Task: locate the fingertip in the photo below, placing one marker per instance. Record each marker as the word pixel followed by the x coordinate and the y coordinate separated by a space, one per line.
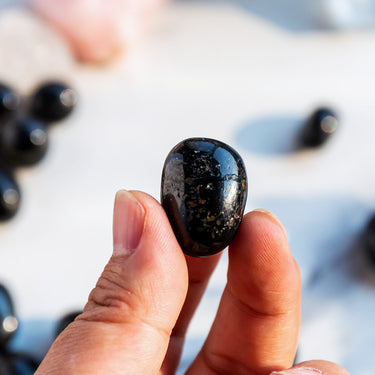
pixel 271 216
pixel 147 259
pixel 316 367
pixel 261 264
pixel 262 224
pixel 157 227
pixel 261 237
pixel 128 223
pixel 260 306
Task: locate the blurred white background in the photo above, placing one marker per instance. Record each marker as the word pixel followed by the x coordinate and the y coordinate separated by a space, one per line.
pixel 246 72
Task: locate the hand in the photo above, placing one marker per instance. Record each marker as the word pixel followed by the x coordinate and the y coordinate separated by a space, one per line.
pixel 138 313
pixel 98 30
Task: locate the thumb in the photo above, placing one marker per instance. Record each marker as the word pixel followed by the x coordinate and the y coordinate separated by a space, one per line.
pixel 314 368
pixel 126 324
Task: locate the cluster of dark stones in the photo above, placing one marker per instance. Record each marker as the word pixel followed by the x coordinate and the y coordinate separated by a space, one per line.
pixel 24 124
pixel 15 362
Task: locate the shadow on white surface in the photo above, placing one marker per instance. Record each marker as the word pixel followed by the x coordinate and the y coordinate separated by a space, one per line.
pixel 325 234
pixel 322 229
pixel 273 135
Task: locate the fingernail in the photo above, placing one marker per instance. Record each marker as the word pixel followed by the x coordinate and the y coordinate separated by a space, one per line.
pixel 271 216
pixel 298 371
pixel 128 219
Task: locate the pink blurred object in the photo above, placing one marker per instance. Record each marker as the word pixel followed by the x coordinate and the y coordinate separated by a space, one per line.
pixel 98 30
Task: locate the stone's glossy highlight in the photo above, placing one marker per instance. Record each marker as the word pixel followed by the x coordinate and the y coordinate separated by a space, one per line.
pixel 23 141
pixel 9 102
pixel 10 195
pixel 319 127
pixel 203 192
pixel 53 101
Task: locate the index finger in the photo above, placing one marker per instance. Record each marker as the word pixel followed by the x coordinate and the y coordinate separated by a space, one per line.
pixel 256 327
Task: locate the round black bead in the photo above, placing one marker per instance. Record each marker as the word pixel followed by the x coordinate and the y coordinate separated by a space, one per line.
pixel 319 127
pixel 203 192
pixel 8 321
pixel 23 141
pixel 65 321
pixel 53 101
pixel 10 195
pixel 9 102
pixel 369 239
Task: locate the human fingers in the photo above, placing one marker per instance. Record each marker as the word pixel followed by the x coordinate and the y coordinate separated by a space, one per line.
pixel 200 270
pixel 256 327
pixel 314 368
pixel 126 324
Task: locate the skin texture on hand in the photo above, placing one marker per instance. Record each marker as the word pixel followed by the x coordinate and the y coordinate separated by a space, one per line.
pixel 314 368
pixel 137 315
pixel 98 30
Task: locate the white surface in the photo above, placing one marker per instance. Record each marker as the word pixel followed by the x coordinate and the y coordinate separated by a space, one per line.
pixel 217 70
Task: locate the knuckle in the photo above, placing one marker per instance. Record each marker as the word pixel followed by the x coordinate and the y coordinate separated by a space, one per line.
pixel 112 299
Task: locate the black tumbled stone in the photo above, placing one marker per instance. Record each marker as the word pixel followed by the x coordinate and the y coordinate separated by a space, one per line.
pixel 320 126
pixel 8 321
pixel 23 141
pixel 53 101
pixel 10 195
pixel 9 102
pixel 203 192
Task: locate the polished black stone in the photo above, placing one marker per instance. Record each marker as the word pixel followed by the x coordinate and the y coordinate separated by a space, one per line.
pixel 369 239
pixel 8 321
pixel 319 127
pixel 10 195
pixel 203 192
pixel 65 321
pixel 53 101
pixel 9 102
pixel 23 141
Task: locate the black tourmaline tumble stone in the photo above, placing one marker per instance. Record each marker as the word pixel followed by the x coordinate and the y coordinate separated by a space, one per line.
pixel 8 321
pixel 53 101
pixel 203 192
pixel 9 197
pixel 9 102
pixel 23 141
pixel 319 127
